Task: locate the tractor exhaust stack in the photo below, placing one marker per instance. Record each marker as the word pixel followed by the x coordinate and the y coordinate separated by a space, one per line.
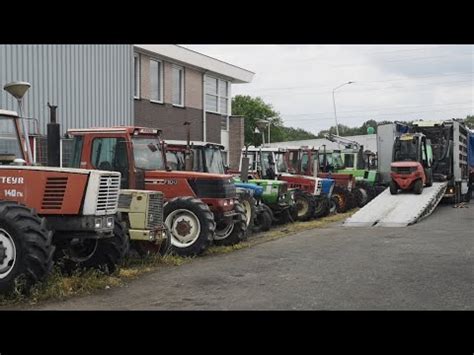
pixel 53 138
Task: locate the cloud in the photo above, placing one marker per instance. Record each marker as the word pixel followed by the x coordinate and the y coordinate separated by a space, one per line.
pixel 391 82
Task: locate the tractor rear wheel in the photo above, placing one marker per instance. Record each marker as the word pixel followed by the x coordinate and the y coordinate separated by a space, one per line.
pixel 418 187
pixel 263 221
pixel 342 199
pixel 191 224
pixel 237 231
pixel 305 204
pixel 26 250
pixel 393 188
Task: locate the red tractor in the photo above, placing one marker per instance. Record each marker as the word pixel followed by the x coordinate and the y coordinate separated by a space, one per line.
pixel 411 163
pixel 51 212
pixel 305 161
pixel 200 208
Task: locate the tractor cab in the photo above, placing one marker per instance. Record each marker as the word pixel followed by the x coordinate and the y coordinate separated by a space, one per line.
pixel 411 163
pixel 12 143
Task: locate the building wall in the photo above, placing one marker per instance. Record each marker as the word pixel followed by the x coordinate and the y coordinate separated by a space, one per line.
pixel 236 140
pixel 171 118
pixel 90 84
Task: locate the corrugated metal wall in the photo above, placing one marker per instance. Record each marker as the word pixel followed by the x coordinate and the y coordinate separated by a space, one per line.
pixel 92 85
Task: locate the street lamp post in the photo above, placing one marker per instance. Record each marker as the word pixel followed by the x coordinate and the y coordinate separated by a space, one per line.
pixel 334 103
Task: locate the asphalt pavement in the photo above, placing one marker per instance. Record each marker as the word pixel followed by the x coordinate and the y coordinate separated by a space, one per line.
pixel 427 266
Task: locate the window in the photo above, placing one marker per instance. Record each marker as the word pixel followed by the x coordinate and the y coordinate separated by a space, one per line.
pixel 156 81
pixel 9 142
pixel 111 154
pixel 178 86
pixel 136 68
pixel 217 95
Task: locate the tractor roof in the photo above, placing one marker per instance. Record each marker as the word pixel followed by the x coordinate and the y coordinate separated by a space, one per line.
pixel 193 143
pixel 252 148
pixel 132 130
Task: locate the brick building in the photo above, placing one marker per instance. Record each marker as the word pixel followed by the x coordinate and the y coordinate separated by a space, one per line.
pixel 173 85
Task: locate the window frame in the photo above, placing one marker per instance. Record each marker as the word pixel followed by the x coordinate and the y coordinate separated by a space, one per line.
pixel 160 79
pixel 218 96
pixel 181 85
pixel 136 76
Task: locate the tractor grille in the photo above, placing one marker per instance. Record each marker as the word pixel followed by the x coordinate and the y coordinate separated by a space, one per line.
pixel 54 191
pixel 155 211
pixel 108 195
pixel 125 201
pixel 402 170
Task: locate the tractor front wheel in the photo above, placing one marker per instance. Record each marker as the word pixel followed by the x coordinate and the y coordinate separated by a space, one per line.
pixel 342 199
pixel 305 204
pixel 418 187
pixel 26 250
pixel 191 224
pixel 248 203
pixel 393 188
pixel 145 248
pixel 263 221
pixel 233 231
pixel 322 207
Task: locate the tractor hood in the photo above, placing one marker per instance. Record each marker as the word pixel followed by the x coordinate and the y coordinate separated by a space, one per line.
pixel 187 175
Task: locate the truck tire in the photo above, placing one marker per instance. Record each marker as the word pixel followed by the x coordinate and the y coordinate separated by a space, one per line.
pixel 393 188
pixel 342 199
pixel 249 204
pixel 418 187
pixel 26 250
pixel 305 204
pixel 322 207
pixel 235 232
pixel 191 224
pixel 263 221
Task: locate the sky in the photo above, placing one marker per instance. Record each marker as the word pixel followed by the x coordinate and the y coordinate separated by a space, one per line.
pixel 391 82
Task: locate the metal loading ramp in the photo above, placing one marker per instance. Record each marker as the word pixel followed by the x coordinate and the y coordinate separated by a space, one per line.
pixel 400 210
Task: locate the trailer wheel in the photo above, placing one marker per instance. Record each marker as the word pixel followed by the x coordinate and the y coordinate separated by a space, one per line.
pixel 237 231
pixel 191 224
pixel 26 250
pixel 418 187
pixel 305 204
pixel 263 221
pixel 104 254
pixel 393 188
pixel 342 199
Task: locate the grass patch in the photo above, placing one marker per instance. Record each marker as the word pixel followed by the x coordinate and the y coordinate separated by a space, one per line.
pixel 59 286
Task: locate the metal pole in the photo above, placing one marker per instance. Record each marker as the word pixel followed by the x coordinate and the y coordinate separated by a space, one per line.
pixel 269 124
pixel 25 134
pixel 335 115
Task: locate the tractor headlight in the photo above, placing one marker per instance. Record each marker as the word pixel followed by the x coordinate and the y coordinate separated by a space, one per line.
pixel 110 222
pixel 98 223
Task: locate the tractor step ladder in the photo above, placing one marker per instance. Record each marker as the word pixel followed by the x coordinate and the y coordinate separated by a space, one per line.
pixel 399 210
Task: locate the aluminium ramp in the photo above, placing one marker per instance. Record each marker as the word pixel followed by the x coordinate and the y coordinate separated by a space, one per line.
pixel 399 210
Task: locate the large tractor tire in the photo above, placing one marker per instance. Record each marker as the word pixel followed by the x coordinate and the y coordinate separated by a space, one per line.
pixel 191 224
pixel 26 250
pixel 342 199
pixel 104 254
pixel 305 204
pixel 263 221
pixel 418 187
pixel 322 207
pixel 333 205
pixel 145 248
pixel 233 231
pixel 361 196
pixel 249 204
